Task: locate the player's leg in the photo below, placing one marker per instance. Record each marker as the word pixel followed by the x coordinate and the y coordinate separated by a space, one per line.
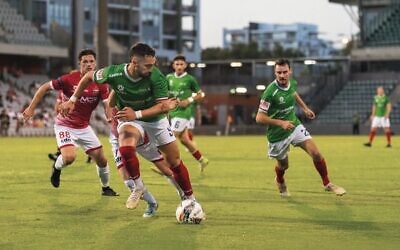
pixel 185 140
pixel 374 125
pixel 388 133
pixel 181 174
pixel 280 168
pixel 66 144
pixel 152 204
pixel 310 147
pixel 130 134
pixel 179 126
pixel 53 156
pixel 89 142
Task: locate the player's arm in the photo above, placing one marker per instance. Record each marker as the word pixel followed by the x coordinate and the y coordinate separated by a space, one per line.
pixel 263 118
pixel 68 106
pixel 162 106
pixel 28 112
pixel 196 97
pixel 373 110
pixel 388 109
pixel 307 111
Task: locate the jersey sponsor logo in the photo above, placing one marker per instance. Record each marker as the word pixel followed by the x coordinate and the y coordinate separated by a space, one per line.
pixel 99 74
pixel 88 99
pixel 264 105
pixel 115 75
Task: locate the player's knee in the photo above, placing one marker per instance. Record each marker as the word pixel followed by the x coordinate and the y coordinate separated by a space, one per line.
pixel 68 159
pixel 316 156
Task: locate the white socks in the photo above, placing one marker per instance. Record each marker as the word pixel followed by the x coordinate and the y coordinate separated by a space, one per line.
pixel 59 163
pixel 104 175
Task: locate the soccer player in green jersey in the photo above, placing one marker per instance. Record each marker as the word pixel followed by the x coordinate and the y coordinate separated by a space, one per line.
pixel 277 111
pixel 381 108
pixel 185 88
pixel 141 94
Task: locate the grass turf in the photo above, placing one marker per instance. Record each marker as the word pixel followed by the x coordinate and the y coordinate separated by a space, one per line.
pixel 237 192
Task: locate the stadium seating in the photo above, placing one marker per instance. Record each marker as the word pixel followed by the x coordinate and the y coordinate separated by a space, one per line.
pixel 16 30
pixel 355 98
pixel 384 29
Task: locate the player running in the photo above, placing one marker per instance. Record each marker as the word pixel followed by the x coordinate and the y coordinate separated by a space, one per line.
pixel 73 129
pixel 277 110
pixel 141 93
pixel 182 86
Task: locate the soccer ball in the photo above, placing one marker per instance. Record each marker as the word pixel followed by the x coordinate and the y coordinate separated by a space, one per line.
pixel 189 212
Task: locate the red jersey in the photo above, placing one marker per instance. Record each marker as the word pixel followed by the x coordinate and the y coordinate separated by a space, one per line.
pixel 79 117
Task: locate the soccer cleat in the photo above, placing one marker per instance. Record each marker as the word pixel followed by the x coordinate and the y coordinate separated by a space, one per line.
pixel 283 190
pixel 133 200
pixel 55 177
pixel 203 163
pixel 107 191
pixel 368 144
pixel 388 146
pixel 151 210
pixel 336 189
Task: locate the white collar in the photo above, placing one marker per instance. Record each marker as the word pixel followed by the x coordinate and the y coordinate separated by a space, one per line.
pixel 285 89
pixel 176 76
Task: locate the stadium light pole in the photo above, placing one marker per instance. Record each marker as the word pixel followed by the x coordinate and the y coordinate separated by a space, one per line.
pixel 102 34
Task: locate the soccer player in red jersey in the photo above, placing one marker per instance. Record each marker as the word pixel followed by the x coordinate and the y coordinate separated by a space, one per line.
pixel 73 129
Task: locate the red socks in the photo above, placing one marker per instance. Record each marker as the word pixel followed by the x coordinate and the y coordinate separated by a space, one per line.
pixel 279 175
pixel 197 155
pixel 371 136
pixel 130 160
pixel 181 176
pixel 322 170
pixel 388 135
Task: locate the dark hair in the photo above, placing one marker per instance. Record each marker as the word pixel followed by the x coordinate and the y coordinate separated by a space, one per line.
pixel 282 61
pixel 142 50
pixel 179 57
pixel 86 52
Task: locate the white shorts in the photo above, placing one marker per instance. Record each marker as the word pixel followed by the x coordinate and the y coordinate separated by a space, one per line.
pixel 192 123
pixel 380 122
pixel 84 138
pixel 159 132
pixel 279 149
pixel 146 150
pixel 179 124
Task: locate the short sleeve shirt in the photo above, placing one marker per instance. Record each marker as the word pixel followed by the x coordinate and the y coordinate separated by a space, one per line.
pixel 138 94
pixel 182 87
pixel 380 103
pixel 279 103
pixel 79 117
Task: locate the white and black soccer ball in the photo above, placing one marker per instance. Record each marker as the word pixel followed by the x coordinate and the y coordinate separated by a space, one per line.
pixel 190 212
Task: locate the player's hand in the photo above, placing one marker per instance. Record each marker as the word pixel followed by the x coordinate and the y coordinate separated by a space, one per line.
pixel 287 125
pixel 66 107
pixel 27 114
pixel 126 114
pixel 184 103
pixel 169 104
pixel 371 117
pixel 309 113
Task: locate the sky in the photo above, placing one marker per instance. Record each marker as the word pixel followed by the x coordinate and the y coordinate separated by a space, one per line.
pixel 332 20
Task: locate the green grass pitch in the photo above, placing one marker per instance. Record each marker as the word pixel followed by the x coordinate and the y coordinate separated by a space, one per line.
pixel 237 192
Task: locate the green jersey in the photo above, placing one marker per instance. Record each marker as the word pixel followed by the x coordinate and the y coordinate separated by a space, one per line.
pixel 137 94
pixel 182 87
pixel 279 103
pixel 380 103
